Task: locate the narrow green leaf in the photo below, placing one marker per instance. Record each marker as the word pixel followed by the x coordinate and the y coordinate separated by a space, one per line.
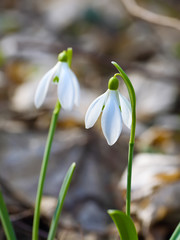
pixel 176 233
pixel 124 224
pixel 61 198
pixel 6 223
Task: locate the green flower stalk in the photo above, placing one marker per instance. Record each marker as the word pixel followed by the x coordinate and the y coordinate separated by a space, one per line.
pixel 132 96
pixel 44 170
pixel 124 223
pixel 116 109
pixel 68 96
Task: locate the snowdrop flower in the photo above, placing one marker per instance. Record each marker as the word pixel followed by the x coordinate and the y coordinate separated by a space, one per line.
pixel 67 84
pixel 115 108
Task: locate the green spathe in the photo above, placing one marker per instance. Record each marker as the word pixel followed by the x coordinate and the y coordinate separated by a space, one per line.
pixel 113 83
pixel 62 57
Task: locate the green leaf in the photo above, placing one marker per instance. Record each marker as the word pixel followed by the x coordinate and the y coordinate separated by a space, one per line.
pixel 124 224
pixel 176 233
pixel 61 198
pixel 5 220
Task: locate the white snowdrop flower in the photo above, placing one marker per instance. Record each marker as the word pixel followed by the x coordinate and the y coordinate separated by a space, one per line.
pixel 115 109
pixel 67 84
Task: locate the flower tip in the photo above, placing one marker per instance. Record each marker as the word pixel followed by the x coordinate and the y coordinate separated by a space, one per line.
pixel 38 100
pixel 37 104
pixel 110 143
pixel 87 125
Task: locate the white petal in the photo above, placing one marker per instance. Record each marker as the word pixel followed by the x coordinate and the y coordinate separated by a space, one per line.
pixel 57 72
pixel 126 110
pixel 42 87
pixel 94 110
pixel 111 121
pixel 66 92
pixel 76 88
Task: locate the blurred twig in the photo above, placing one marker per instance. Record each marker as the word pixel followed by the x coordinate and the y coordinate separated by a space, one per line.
pixel 139 12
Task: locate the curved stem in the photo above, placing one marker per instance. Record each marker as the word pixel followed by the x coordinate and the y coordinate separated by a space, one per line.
pixel 44 170
pixel 132 97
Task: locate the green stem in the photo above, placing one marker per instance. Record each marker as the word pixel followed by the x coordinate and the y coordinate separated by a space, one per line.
pixel 129 173
pixel 44 170
pixel 6 223
pixel 132 97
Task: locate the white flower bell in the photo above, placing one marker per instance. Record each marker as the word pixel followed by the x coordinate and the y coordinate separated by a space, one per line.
pixel 115 108
pixel 67 84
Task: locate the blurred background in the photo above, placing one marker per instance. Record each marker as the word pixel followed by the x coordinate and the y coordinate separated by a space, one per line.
pixel 32 33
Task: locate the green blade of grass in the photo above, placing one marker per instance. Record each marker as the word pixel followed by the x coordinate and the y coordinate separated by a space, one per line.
pixel 176 233
pixel 5 220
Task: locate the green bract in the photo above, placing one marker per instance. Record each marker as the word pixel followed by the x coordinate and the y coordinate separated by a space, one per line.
pixel 113 83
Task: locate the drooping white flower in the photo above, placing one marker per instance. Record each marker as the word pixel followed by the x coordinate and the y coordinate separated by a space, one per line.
pixel 115 109
pixel 67 84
